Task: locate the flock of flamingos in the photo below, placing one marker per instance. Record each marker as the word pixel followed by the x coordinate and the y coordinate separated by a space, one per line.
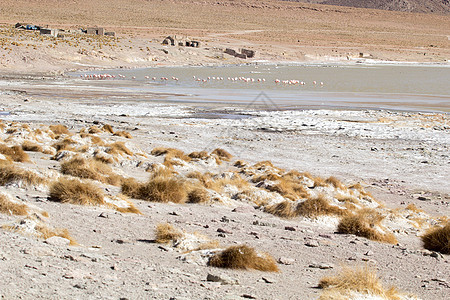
pixel 202 80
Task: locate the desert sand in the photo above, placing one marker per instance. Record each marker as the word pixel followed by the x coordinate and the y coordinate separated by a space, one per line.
pixel 282 182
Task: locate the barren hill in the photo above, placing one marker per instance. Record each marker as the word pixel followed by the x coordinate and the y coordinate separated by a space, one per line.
pixel 421 6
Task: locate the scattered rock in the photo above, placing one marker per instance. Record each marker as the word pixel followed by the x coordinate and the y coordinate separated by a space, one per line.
pixel 322 266
pixel 248 296
pixel 57 241
pixel 312 243
pixel 286 261
pixel 221 230
pixel 103 215
pixel 244 209
pixel 223 279
pixel 268 280
pixel 369 253
pixel 290 228
pixel 225 219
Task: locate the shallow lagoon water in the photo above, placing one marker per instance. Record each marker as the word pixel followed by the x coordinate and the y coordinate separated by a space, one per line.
pixel 396 87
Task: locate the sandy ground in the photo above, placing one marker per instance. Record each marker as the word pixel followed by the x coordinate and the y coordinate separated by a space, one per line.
pixel 401 158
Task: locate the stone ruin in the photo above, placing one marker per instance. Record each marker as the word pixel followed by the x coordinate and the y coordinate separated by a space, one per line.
pixel 245 53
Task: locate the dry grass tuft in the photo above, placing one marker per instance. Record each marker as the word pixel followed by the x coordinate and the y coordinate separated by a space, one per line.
pixel 118 148
pixel 243 257
pixel 10 173
pixel 59 129
pixel 107 128
pixel 240 164
pixel 65 144
pixel 363 224
pixel 158 189
pixel 75 191
pixel 335 182
pixel 166 233
pixel 199 155
pixel 438 239
pixel 124 134
pixel 170 153
pixel 414 208
pixel 198 195
pixel 15 153
pixel 318 207
pixel 96 140
pixel 222 154
pixel 9 207
pixel 30 146
pixel 283 209
pixel 288 188
pixel 94 129
pixel 361 279
pixel 90 169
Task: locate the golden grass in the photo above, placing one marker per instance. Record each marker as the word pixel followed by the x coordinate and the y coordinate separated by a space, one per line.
pixel 97 140
pixel 360 279
pixel 94 129
pixel 318 207
pixel 222 154
pixel 240 164
pixel 10 173
pixel 220 183
pixel 107 128
pixel 160 188
pixel 243 257
pixel 198 195
pixel 118 148
pixel 363 224
pixel 199 155
pixel 166 233
pixel 75 191
pixel 283 209
pixel 15 153
pixel 65 144
pixel 12 208
pixel 131 207
pixel 59 129
pixel 414 208
pixel 90 169
pixel 438 239
pixel 335 182
pixel 103 157
pixel 30 146
pixel 124 134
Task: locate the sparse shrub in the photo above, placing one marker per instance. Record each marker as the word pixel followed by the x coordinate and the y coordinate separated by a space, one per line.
pixel 290 189
pixel 124 134
pixel 335 182
pixel 64 144
pixel 364 224
pixel 166 233
pixel 349 280
pixel 30 146
pixel 94 129
pixel 90 169
pixel 240 164
pixel 75 191
pixel 118 148
pixel 243 257
pixel 198 195
pixel 97 140
pixel 9 207
pixel 283 209
pixel 15 153
pixel 10 173
pixel 222 154
pixel 318 207
pixel 438 239
pixel 170 153
pixel 157 189
pixel 107 128
pixel 199 155
pixel 318 182
pixel 59 129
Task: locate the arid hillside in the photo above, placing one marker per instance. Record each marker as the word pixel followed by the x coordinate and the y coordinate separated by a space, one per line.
pixel 422 6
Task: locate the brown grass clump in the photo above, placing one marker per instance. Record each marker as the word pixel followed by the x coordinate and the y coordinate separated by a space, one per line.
pixel 157 189
pixel 107 128
pixel 30 146
pixel 119 148
pixel 198 195
pixel 75 191
pixel 124 134
pixel 48 233
pixel 318 207
pixel 361 280
pixel 222 154
pixel 243 257
pixel 94 129
pixel 199 155
pixel 16 153
pixel 363 224
pixel 65 144
pixel 438 239
pixel 97 140
pixel 90 169
pixel 131 208
pixel 319 181
pixel 240 164
pixel 166 233
pixel 290 189
pixel 10 173
pixel 170 153
pixel 414 208
pixel 335 182
pixel 283 209
pixel 12 208
pixel 59 129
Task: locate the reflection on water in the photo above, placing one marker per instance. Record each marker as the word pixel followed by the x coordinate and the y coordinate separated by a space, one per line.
pixel 348 86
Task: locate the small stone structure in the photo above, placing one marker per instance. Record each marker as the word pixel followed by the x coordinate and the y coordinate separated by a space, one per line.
pixel 169 41
pixel 95 30
pixel 174 41
pixel 48 31
pixel 245 53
